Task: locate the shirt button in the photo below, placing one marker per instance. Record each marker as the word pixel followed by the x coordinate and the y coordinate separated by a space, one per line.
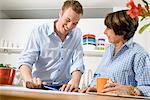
pixel 61 58
pixel 62 47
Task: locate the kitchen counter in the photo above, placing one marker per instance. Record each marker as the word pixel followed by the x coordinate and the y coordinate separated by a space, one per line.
pixel 20 93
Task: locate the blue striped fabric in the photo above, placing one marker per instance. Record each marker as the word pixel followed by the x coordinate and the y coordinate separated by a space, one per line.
pixel 131 66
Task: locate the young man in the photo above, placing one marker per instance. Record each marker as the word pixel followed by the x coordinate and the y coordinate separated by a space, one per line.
pixel 54 53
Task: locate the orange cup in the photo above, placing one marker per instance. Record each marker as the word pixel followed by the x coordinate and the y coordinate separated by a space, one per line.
pixel 100 82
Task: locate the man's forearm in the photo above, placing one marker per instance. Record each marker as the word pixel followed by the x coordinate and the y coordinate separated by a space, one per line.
pixel 76 76
pixel 26 73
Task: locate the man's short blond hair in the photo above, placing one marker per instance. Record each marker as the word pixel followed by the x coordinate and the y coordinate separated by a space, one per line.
pixel 74 4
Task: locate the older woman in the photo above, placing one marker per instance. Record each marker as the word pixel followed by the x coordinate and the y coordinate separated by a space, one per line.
pixel 125 62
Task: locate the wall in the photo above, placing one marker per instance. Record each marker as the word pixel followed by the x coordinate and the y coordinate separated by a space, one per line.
pixel 16 32
pixel 0 28
pixel 93 26
pixel 3 15
pixel 96 27
pixel 143 39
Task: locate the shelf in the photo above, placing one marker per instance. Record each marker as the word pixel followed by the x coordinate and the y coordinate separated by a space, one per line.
pixel 10 50
pixel 95 53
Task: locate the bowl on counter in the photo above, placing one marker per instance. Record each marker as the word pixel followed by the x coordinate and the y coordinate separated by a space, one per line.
pixel 7 76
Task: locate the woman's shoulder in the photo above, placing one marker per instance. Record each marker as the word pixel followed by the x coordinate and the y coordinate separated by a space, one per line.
pixel 139 49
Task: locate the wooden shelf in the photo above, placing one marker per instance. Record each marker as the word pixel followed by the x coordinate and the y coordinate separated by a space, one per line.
pixel 10 50
pixel 95 53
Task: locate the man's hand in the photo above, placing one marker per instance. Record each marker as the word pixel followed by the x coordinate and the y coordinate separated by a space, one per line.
pixel 73 85
pixel 89 89
pixel 69 88
pixel 35 83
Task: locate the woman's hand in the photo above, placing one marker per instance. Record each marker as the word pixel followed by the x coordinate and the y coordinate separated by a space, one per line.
pixel 119 89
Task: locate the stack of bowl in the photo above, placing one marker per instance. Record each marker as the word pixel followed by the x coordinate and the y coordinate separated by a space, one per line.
pixel 101 44
pixel 89 42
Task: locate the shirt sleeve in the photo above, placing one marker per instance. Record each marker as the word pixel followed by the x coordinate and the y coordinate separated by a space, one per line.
pixel 31 50
pixel 142 73
pixel 77 59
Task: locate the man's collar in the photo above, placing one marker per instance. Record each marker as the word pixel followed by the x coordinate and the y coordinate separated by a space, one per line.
pixel 51 28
